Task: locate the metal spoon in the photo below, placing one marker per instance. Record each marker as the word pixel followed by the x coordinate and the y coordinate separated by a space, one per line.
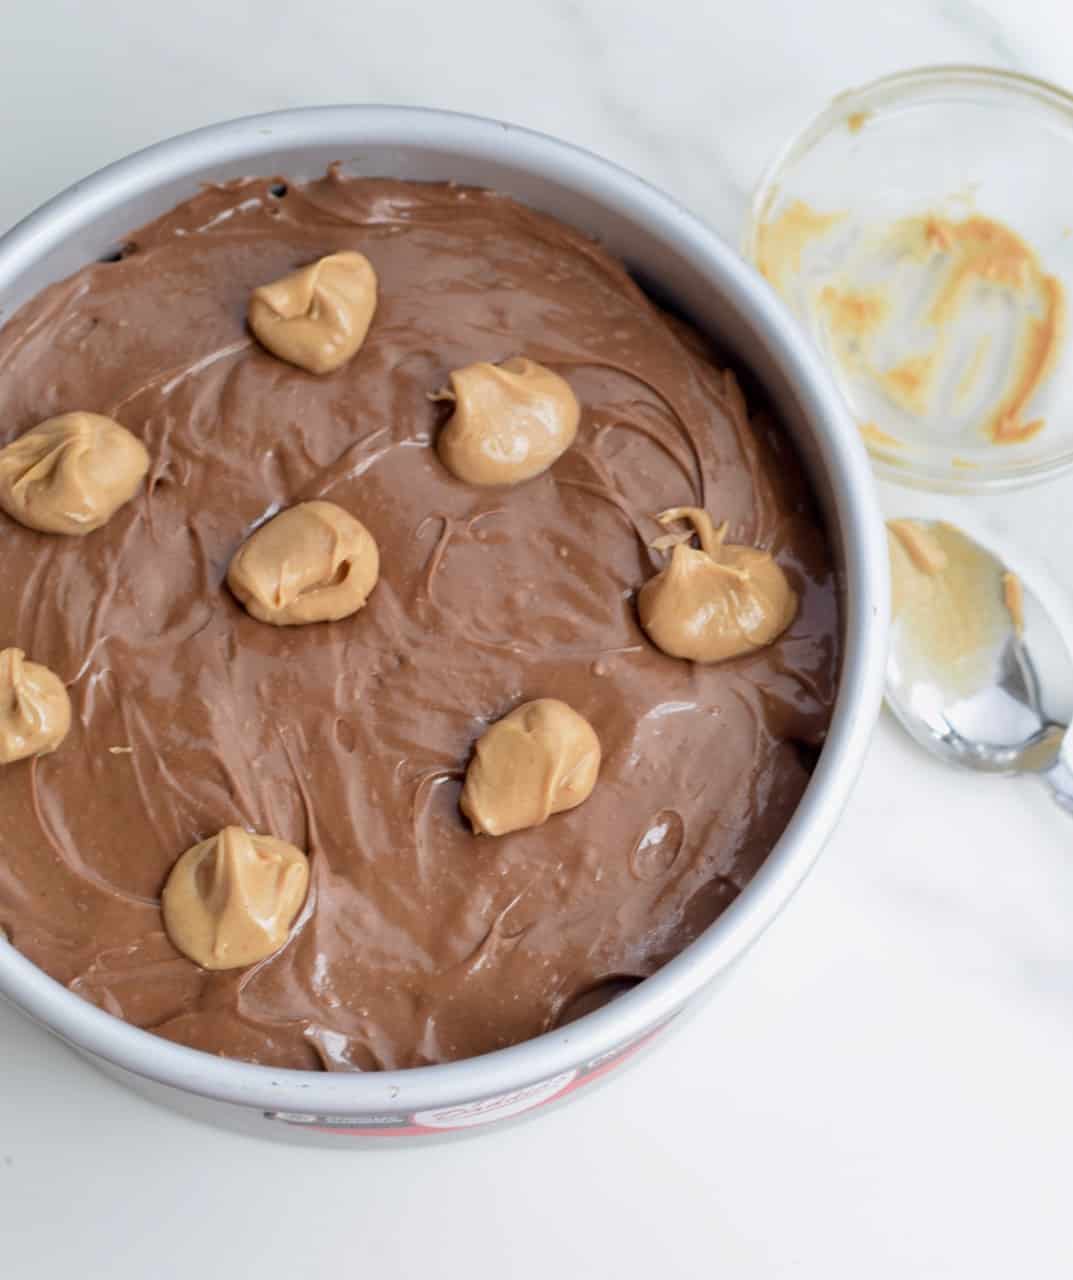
pixel 978 672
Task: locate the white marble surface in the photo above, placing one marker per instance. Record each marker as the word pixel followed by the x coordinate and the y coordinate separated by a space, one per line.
pixel 883 1090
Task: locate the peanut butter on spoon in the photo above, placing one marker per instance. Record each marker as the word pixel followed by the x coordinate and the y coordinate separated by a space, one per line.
pixel 977 670
pixel 716 602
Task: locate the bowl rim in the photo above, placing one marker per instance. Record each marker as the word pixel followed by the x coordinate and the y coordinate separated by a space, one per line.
pixel 865 593
pixel 896 89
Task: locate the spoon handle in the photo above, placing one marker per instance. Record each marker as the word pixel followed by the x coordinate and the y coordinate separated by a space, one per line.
pixel 1059 777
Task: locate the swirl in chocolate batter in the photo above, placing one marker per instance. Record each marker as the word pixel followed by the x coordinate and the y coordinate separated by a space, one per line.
pixel 419 942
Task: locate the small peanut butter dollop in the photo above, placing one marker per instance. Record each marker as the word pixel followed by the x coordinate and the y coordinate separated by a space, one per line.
pixel 511 421
pixel 35 711
pixel 71 474
pixel 317 317
pixel 231 900
pixel 715 602
pixel 312 563
pixel 541 758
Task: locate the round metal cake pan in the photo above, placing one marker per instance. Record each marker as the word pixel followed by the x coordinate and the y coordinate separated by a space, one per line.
pixel 684 264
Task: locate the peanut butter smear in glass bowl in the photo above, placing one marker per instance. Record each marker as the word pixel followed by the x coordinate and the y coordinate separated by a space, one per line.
pixel 916 230
pixel 929 321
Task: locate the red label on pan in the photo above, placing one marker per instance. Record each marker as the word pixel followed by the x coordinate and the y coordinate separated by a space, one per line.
pixel 466 1115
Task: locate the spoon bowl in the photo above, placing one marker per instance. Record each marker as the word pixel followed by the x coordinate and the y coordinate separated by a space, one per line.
pixel 977 671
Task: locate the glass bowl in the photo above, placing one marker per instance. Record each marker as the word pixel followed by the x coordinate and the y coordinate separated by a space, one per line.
pixel 918 231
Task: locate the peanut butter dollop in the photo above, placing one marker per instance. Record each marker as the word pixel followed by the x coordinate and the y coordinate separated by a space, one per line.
pixel 231 900
pixel 511 421
pixel 71 474
pixel 716 602
pixel 541 758
pixel 312 563
pixel 35 711
pixel 317 317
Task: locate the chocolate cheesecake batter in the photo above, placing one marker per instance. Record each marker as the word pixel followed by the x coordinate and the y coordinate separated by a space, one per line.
pixel 419 942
